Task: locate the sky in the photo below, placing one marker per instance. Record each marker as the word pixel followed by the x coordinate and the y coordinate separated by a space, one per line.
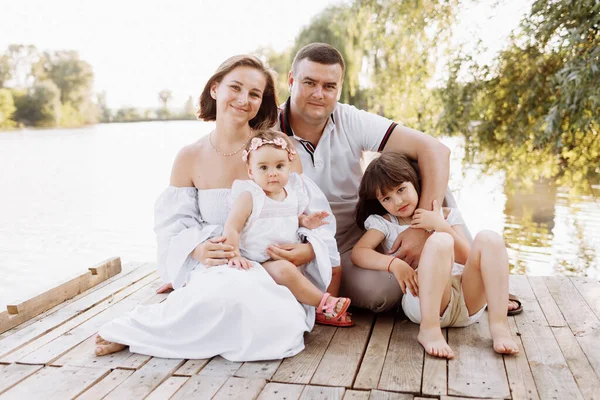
pixel 139 48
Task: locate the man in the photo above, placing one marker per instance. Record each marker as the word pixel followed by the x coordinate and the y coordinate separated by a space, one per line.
pixel 330 138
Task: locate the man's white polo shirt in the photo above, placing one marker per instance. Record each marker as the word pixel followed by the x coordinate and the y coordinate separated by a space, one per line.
pixel 334 164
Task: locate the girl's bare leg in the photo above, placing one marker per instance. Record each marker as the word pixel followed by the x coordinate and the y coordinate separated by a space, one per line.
pixel 435 269
pixel 287 274
pixel 485 278
pixel 104 347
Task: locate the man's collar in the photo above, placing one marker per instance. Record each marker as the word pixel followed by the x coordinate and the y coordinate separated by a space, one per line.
pixel 284 118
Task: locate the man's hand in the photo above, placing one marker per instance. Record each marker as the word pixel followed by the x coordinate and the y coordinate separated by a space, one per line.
pixel 296 253
pixel 410 242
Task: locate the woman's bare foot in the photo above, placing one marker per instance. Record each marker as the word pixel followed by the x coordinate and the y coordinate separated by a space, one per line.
pixel 503 341
pixel 434 343
pixel 104 347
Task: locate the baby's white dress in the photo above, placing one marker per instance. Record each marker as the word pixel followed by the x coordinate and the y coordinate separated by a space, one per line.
pixel 240 315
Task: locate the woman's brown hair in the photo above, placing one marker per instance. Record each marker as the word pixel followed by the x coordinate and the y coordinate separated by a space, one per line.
pixel 385 173
pixel 267 113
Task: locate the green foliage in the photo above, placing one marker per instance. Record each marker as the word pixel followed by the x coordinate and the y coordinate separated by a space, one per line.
pixel 40 106
pixel 5 73
pixel 537 108
pixel 128 114
pixel 7 109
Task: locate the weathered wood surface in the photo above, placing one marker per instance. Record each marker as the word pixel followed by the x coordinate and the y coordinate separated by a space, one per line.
pixel 558 334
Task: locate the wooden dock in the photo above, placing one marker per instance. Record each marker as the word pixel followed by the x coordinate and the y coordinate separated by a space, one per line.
pixel 51 355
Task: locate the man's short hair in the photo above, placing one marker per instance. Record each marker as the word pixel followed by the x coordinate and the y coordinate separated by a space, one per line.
pixel 321 53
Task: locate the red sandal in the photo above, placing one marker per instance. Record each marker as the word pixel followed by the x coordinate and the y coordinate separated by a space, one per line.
pixel 338 319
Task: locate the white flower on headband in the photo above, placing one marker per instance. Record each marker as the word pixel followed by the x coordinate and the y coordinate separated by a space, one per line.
pixel 258 142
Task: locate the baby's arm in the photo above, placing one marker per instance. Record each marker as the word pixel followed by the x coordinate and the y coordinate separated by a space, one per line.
pixel 314 220
pixel 236 219
pixel 364 255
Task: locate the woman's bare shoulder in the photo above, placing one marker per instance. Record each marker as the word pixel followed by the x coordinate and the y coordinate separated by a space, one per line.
pixel 182 172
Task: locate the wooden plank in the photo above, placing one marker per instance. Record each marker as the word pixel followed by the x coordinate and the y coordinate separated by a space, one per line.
pixel 381 395
pixel 281 391
pixel 23 310
pixel 584 375
pixel 106 385
pixel 301 367
pixel 192 367
pixel 57 342
pixel 341 360
pixel 168 388
pixel 54 320
pixel 258 369
pixel 219 366
pixel 548 366
pixel 12 374
pixel 83 355
pixel 546 302
pixel 435 374
pixel 143 381
pixel 240 389
pixel 357 394
pixel 520 378
pixel 126 270
pixel 200 387
pixel 589 288
pixel 55 383
pixel 403 364
pixel 466 398
pixel 322 393
pixel 372 364
pixel 584 324
pixel 477 368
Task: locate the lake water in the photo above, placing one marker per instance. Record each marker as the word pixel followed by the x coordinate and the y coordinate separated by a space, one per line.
pixel 72 198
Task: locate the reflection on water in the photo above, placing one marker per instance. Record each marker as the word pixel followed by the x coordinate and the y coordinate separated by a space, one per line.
pixel 70 198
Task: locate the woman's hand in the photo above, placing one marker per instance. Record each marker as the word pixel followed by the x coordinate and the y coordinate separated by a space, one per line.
pixel 428 220
pixel 406 276
pixel 213 252
pixel 296 253
pixel 240 263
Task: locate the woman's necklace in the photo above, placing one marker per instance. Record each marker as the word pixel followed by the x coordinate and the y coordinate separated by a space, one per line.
pixel 228 154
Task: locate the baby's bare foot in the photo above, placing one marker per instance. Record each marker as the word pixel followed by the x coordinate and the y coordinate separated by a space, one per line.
pixel 434 343
pixel 503 341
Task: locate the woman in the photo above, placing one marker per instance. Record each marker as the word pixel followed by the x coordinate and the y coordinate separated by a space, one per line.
pixel 215 309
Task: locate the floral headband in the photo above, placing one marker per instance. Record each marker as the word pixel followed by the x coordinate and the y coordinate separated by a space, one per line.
pixel 279 142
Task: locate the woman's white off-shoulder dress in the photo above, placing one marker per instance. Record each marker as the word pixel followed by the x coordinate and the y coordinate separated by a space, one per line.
pixel 240 315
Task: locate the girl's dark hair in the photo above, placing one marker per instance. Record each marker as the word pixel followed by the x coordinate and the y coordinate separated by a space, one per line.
pixel 385 173
pixel 267 113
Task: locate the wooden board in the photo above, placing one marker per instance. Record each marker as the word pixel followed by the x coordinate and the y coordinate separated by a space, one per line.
pixel 106 385
pixel 382 395
pixel 168 388
pixel 258 369
pixel 372 363
pixel 219 366
pixel 546 302
pixel 192 367
pixel 22 310
pixel 322 393
pixel 435 374
pixel 143 381
pixel 520 378
pixel 357 395
pixel 301 367
pixel 281 391
pixel 240 389
pixel 200 387
pixel 548 366
pixel 55 383
pixel 590 290
pixel 340 362
pixel 12 374
pixel 403 364
pixel 477 369
pixel 64 314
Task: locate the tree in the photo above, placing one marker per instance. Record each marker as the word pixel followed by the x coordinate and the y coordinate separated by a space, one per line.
pixel 39 106
pixel 5 74
pixel 164 96
pixel 538 106
pixel 7 109
pixel 189 110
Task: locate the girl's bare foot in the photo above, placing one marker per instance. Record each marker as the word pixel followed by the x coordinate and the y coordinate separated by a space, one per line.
pixel 503 341
pixel 104 347
pixel 434 343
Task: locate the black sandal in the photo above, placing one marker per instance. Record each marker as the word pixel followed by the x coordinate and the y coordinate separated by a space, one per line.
pixel 519 309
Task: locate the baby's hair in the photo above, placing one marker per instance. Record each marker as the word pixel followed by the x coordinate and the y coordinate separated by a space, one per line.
pixel 385 173
pixel 268 135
